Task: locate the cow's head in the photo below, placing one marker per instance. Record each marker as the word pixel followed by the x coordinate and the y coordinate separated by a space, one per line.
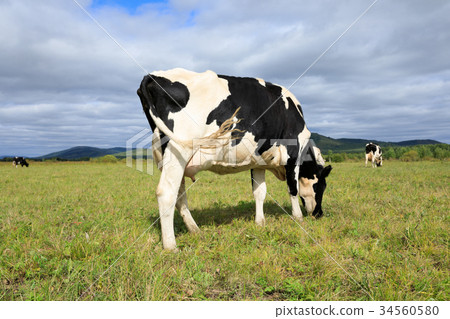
pixel 312 179
pixel 312 189
pixel 379 161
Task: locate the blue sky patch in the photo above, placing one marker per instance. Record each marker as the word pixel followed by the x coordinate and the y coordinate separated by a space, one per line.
pixel 129 5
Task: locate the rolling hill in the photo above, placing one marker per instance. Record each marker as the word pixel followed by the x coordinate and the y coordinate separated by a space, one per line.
pixel 349 145
pixel 78 152
pixel 340 145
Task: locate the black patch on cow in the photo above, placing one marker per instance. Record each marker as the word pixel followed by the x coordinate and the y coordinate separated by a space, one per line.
pixel 371 147
pixel 292 104
pixel 309 166
pixel 254 99
pixel 319 189
pixel 253 181
pixel 145 108
pixel 163 145
pixel 162 96
pixel 291 178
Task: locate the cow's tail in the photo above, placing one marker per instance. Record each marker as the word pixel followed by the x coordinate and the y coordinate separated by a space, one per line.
pixel 163 128
pixel 212 141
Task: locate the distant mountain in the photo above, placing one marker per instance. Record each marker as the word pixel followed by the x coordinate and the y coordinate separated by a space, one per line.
pixel 325 143
pixel 347 145
pixel 83 152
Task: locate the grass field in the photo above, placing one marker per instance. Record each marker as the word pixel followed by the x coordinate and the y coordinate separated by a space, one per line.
pixel 89 231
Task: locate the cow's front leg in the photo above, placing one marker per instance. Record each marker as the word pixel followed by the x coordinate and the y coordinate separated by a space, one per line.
pixel 292 175
pixel 259 192
pixel 167 191
pixel 182 206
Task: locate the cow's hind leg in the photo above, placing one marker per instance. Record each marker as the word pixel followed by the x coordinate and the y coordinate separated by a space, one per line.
pixel 182 206
pixel 259 192
pixel 292 175
pixel 167 191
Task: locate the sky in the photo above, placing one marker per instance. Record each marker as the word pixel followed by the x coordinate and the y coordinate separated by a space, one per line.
pixel 64 82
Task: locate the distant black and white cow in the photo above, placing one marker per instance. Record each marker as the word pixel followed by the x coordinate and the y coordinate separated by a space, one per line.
pixel 373 154
pixel 224 124
pixel 19 161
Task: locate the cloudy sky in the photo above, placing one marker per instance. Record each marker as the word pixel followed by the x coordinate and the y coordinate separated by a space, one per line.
pixel 64 82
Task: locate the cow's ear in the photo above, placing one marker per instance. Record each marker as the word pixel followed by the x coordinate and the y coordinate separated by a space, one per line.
pixel 326 171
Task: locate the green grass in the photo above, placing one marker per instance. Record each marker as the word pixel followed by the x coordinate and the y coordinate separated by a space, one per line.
pixel 62 225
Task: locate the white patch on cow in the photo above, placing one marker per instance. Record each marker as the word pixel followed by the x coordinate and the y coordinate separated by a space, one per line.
pixel 259 192
pixel 281 157
pixel 303 139
pixel 293 98
pixel 297 171
pixel 307 192
pixel 235 120
pixel 262 82
pixel 177 75
pixel 206 91
pixel 286 103
pixel 296 210
pixel 318 156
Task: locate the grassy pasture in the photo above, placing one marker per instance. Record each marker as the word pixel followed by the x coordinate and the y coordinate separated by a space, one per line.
pixel 67 227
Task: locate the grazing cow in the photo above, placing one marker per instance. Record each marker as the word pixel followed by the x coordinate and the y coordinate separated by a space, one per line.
pixel 19 161
pixel 373 154
pixel 224 124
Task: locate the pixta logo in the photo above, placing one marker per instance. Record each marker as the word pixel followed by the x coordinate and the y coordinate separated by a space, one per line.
pixel 139 149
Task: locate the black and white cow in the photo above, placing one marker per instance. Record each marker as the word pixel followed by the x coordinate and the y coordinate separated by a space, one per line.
pixel 373 154
pixel 224 124
pixel 19 161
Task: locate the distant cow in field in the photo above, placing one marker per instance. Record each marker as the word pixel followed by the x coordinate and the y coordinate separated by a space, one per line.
pixel 373 154
pixel 225 124
pixel 19 161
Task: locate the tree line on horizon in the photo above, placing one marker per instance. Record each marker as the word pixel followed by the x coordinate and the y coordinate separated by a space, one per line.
pixel 403 153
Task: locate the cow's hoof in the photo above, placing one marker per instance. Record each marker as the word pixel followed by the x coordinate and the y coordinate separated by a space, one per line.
pixel 170 246
pixel 317 216
pixel 193 229
pixel 261 222
pixel 298 219
pixel 171 250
